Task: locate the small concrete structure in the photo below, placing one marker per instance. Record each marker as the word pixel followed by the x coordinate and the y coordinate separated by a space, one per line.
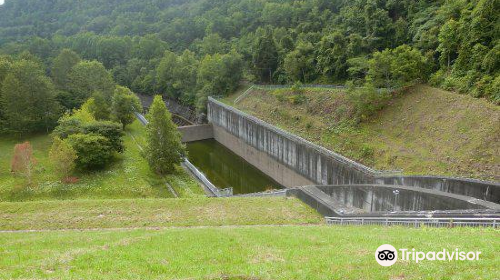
pixel 198 132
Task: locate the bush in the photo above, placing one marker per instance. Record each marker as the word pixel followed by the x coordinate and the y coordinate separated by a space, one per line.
pixel 437 78
pixel 23 162
pixel 367 101
pixel 81 122
pixel 93 151
pixel 110 130
pixel 63 157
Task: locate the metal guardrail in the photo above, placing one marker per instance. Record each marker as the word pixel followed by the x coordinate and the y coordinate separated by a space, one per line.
pixel 141 118
pixel 213 189
pixel 415 222
pixel 244 94
pixel 302 86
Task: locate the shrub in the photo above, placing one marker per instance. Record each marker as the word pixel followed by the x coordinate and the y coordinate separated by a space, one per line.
pixel 93 151
pixel 367 101
pixel 63 157
pixel 110 130
pixel 74 124
pixel 23 162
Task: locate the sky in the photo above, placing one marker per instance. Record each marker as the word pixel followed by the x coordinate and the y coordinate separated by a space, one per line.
pixel 1 2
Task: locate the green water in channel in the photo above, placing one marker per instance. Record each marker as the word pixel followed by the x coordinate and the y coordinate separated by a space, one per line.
pixel 226 169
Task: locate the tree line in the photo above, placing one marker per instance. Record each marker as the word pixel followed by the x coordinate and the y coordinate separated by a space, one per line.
pixel 451 44
pixel 86 113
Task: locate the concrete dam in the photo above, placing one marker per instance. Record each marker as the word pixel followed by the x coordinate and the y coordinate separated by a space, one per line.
pixel 332 183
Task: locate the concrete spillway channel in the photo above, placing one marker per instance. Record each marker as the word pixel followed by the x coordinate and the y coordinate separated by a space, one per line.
pixel 332 184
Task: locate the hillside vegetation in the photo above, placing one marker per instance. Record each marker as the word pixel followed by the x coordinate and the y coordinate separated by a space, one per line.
pixel 192 49
pixel 423 130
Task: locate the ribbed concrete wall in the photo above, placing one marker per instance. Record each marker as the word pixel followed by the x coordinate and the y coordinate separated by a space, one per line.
pixel 306 159
pixel 252 138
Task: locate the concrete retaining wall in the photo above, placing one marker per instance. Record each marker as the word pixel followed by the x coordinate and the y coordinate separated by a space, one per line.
pixel 293 161
pixel 373 198
pixel 196 132
pixel 279 172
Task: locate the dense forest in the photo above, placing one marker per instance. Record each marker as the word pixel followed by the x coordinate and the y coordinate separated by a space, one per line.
pixel 72 50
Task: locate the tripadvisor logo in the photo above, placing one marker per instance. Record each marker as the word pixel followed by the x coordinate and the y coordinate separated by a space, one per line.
pixel 387 255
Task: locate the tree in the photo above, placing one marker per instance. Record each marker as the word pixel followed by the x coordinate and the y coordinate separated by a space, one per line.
pixel 265 56
pixel 211 44
pixel 185 77
pixel 163 142
pixel 332 56
pixel 379 72
pixel 166 74
pixel 61 67
pixel 98 106
pixel 23 162
pixel 125 103
pixel 300 63
pixel 5 65
pixel 86 78
pixel 448 42
pixel 112 51
pixel 398 67
pixel 28 100
pixel 218 75
pixel 63 157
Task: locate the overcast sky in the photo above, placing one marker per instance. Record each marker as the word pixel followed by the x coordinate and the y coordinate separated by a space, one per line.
pixel 1 2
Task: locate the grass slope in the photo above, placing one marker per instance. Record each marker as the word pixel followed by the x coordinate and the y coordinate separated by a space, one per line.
pixel 423 131
pixel 271 252
pixel 128 177
pixel 118 213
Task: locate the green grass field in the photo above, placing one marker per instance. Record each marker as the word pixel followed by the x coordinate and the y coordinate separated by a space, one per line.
pixel 128 177
pixel 254 252
pixel 423 131
pixel 119 213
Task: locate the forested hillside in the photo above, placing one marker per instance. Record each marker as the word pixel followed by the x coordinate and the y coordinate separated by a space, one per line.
pixel 194 48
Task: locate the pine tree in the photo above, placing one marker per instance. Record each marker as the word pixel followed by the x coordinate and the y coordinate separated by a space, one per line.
pixel 163 144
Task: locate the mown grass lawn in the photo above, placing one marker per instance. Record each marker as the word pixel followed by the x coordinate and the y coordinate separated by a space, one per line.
pixel 255 252
pixel 125 213
pixel 128 177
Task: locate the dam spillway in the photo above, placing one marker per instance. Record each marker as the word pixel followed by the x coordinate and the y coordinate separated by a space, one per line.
pixel 305 168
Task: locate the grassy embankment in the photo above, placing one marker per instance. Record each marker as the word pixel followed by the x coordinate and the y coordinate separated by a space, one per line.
pixel 126 213
pixel 256 252
pixel 128 177
pixel 422 131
